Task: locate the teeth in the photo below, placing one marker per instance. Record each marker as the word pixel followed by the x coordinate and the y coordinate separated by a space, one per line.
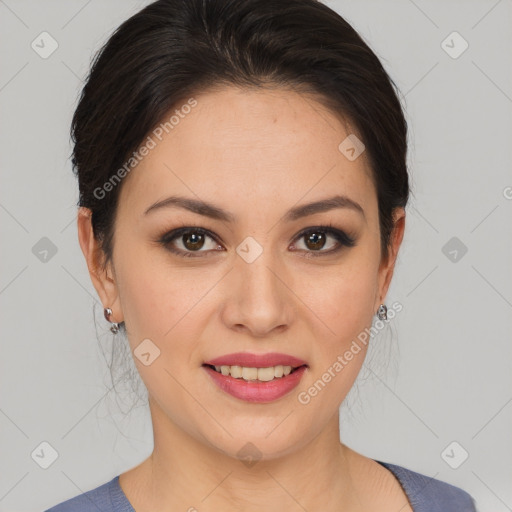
pixel 262 374
pixel 236 371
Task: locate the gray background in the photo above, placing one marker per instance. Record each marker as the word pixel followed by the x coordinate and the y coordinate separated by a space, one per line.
pixel 440 374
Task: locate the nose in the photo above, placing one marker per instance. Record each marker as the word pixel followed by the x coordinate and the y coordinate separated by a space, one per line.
pixel 258 300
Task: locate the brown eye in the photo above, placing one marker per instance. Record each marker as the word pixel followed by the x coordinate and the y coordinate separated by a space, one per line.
pixel 187 241
pixel 193 241
pixel 315 240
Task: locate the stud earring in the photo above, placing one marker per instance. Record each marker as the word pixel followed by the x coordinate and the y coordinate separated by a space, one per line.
pixel 114 328
pixel 382 312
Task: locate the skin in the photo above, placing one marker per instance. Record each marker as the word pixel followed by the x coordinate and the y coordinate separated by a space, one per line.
pixel 255 153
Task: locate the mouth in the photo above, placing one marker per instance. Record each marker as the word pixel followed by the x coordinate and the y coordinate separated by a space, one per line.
pixel 254 374
pixel 256 385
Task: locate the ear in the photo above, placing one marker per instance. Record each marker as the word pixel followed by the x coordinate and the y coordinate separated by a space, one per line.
pixel 102 278
pixel 387 265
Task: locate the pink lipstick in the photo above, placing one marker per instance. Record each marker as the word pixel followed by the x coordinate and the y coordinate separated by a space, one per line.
pixel 283 370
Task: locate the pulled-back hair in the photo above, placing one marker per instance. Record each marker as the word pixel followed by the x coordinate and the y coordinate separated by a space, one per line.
pixel 174 49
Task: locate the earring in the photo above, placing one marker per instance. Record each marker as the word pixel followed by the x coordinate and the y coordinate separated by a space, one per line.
pixel 114 328
pixel 382 312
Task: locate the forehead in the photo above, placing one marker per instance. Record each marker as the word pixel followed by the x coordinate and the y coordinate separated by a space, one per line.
pixel 246 146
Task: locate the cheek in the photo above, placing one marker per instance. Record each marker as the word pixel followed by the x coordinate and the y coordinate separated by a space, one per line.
pixel 159 296
pixel 343 311
pixel 342 298
pixel 144 291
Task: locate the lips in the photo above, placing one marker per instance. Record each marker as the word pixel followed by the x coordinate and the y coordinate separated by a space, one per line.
pixel 256 360
pixel 257 391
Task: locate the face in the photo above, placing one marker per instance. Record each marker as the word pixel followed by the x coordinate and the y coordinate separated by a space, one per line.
pixel 263 277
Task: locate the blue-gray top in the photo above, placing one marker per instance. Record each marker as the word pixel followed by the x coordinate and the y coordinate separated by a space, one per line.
pixel 426 494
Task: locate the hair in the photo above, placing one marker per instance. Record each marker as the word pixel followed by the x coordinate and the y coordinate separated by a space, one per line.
pixel 175 49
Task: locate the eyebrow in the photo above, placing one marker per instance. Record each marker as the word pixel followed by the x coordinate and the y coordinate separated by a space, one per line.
pixel 210 210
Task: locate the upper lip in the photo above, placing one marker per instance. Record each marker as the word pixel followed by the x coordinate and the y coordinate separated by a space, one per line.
pixel 256 360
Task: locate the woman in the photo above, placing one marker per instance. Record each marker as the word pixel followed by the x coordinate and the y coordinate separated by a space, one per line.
pixel 243 184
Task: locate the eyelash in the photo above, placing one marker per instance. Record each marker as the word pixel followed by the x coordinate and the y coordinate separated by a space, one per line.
pixel 343 239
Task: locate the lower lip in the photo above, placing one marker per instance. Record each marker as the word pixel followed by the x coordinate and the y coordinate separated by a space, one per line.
pixel 256 391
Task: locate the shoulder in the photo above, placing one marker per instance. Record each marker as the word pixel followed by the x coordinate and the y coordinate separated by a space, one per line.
pixel 427 494
pixel 108 497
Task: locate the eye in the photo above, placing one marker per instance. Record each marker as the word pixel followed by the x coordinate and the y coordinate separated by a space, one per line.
pixel 186 241
pixel 191 239
pixel 315 239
